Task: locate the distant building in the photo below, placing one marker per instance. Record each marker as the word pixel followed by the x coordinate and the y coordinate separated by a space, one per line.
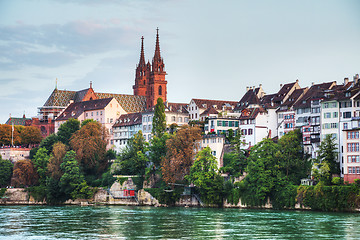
pixel 351 154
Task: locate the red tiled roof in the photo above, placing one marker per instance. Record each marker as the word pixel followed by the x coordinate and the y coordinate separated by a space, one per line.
pixel 206 103
pixel 74 110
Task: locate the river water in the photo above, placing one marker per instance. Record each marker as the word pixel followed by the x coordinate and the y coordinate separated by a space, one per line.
pixel 123 222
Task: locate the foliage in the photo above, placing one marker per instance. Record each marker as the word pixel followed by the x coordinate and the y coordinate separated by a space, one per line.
pixel 40 162
pixel 264 173
pixel 72 181
pixel 5 135
pixel 235 162
pixel 132 159
pixel 294 162
pixel 204 174
pixel 110 154
pixel 107 179
pixel 33 152
pixel 55 160
pixel 180 151
pixel 138 181
pixel 6 168
pixel 67 129
pixel 157 149
pixel 49 142
pixel 86 121
pixel 24 174
pixel 38 192
pixel 337 181
pixel 328 153
pixel 89 143
pixel 30 135
pixel 2 192
pixel 54 194
pixel 329 198
pixel 165 195
pixel 159 123
pixel 321 172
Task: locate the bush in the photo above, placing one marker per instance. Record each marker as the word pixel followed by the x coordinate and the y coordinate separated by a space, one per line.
pixel 38 192
pixel 166 196
pixel 2 192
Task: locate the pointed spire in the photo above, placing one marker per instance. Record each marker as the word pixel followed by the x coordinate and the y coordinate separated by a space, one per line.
pixel 90 84
pixel 157 56
pixel 56 84
pixel 142 54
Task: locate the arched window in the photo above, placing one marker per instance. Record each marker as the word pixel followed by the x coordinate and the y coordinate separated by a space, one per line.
pixel 160 90
pixel 144 82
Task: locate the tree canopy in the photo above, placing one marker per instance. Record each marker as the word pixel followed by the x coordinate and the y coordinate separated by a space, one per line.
pixel 159 122
pixel 6 168
pixel 180 152
pixel 67 129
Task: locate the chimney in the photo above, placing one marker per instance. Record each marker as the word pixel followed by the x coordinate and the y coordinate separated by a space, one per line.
pixel 356 78
pixel 312 84
pixel 281 85
pixel 247 88
pixel 346 81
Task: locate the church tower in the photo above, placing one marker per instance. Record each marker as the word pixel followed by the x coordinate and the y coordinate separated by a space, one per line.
pixel 157 84
pixel 142 74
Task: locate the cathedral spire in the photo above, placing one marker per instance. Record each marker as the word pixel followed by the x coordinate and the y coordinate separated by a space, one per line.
pixel 142 55
pixel 157 56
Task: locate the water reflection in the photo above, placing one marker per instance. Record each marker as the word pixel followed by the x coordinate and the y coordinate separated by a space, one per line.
pixel 115 222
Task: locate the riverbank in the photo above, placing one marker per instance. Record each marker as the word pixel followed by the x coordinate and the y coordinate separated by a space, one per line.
pixel 20 196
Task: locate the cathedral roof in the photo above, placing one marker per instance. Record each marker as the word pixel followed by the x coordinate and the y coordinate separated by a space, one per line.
pixel 62 98
pixel 130 103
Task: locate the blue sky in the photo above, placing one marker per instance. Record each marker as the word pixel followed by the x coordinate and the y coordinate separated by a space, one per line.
pixel 211 49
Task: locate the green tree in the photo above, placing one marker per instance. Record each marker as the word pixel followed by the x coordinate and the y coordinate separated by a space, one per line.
pixel 6 168
pixel 294 162
pixel 133 159
pixel 49 142
pixel 157 149
pixel 40 161
pixel 204 174
pixel 159 122
pixel 328 153
pixel 264 173
pixel 72 182
pixel 67 129
pixel 235 162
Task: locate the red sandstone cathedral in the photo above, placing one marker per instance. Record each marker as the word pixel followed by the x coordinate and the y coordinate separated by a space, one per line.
pixel 150 84
pixel 150 78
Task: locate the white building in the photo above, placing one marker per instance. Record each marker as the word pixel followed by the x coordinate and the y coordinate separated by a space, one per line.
pixel 216 144
pixel 124 128
pixel 198 106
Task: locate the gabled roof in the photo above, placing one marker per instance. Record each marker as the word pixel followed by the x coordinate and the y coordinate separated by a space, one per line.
pixel 208 111
pixel 128 120
pixel 268 101
pixel 206 103
pixel 250 97
pixel 17 121
pixel 293 98
pixel 315 92
pixel 284 91
pixel 74 110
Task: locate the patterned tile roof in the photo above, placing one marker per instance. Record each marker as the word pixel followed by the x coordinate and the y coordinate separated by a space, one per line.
pixel 59 98
pixel 130 103
pixel 62 98
pixel 17 121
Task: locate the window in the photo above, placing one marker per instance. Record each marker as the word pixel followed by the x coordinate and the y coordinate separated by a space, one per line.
pixel 250 131
pixel 186 119
pixel 86 114
pixel 219 123
pixel 345 126
pixel 97 113
pixel 236 124
pixel 350 170
pixel 346 114
pixel 195 115
pixel 92 114
pixel 327 115
pixel 160 90
pixel 353 135
pixel 180 119
pixel 353 147
pixel 173 118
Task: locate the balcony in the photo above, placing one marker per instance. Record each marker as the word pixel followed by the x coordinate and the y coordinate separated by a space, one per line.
pixel 315 140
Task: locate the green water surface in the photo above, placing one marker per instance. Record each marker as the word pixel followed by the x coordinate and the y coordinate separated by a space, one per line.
pixel 120 222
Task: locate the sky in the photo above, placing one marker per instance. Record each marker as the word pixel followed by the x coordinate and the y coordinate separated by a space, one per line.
pixel 211 49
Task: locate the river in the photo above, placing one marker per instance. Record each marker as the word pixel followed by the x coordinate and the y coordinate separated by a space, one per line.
pixel 122 222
